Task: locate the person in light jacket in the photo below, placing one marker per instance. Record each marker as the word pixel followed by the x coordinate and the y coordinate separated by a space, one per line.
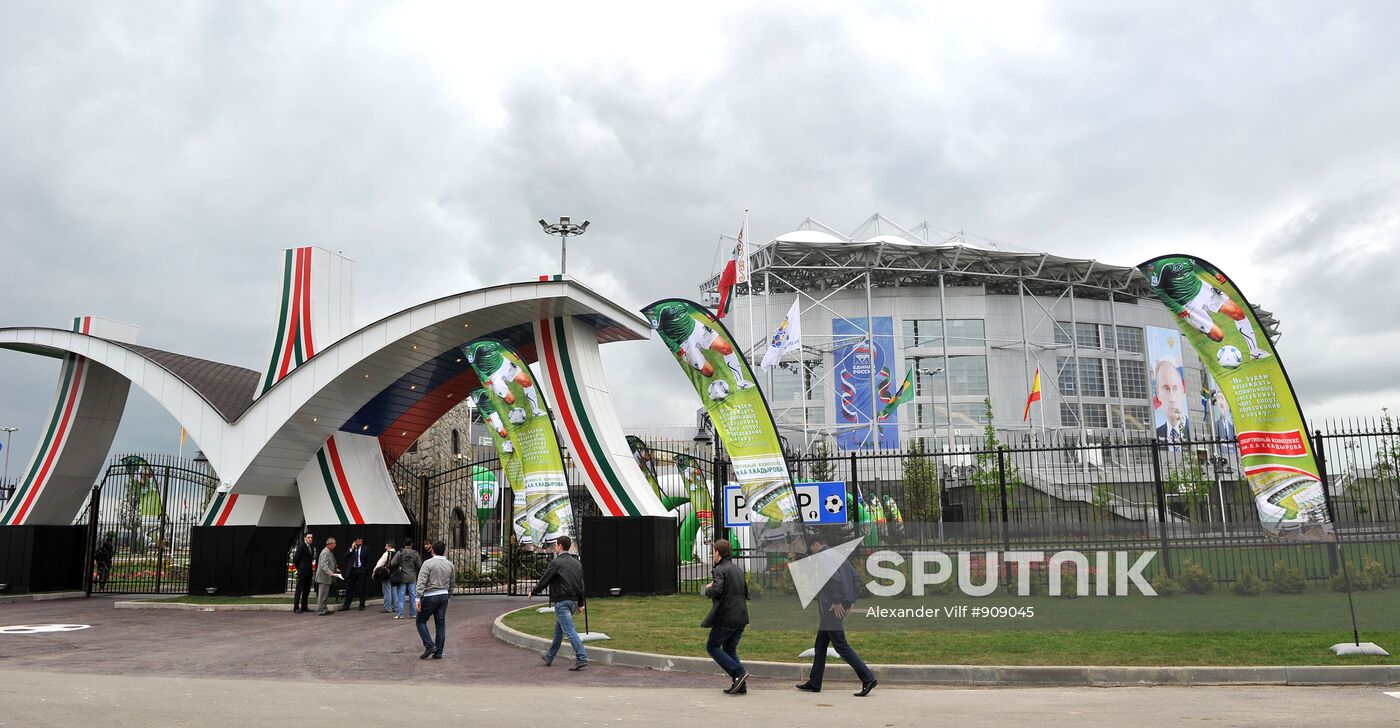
pixel 326 571
pixel 729 614
pixel 435 582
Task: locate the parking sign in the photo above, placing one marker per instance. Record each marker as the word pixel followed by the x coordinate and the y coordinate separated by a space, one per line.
pixel 736 507
pixel 821 503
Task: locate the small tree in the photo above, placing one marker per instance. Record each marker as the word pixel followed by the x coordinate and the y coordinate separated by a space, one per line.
pixel 821 469
pixel 922 503
pixel 986 478
pixel 1192 484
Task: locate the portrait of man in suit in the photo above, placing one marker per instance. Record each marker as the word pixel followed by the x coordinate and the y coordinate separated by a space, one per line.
pixel 1169 390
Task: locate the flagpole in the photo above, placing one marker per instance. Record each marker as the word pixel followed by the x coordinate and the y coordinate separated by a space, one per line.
pixel 748 279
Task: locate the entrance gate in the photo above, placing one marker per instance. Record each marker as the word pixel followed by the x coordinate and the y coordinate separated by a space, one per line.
pixel 139 520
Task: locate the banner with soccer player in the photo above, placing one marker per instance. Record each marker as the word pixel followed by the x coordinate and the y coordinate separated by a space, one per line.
pixel 516 406
pixel 698 529
pixel 725 383
pixel 641 453
pixel 1275 451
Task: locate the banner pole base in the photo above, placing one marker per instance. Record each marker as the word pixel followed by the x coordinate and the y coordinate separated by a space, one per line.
pixel 1364 648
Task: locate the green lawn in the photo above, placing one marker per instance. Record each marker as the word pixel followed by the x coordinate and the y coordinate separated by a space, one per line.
pixel 670 625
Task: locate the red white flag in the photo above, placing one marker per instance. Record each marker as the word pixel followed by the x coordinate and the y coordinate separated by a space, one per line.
pixel 726 284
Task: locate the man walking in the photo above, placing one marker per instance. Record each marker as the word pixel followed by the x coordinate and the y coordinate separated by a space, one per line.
pixel 564 578
pixel 435 582
pixel 305 561
pixel 326 572
pixel 406 566
pixel 835 599
pixel 356 574
pixel 103 559
pixel 728 616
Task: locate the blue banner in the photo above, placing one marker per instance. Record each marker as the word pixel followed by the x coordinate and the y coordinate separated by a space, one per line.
pixel 857 367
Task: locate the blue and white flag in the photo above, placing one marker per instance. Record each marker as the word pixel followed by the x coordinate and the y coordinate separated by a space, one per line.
pixel 787 337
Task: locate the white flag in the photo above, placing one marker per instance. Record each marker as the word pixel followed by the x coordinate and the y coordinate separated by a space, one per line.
pixel 787 337
pixel 741 253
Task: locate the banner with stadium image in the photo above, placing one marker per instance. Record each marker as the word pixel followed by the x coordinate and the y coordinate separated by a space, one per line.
pixel 516 406
pixel 1275 451
pixel 729 392
pixel 855 361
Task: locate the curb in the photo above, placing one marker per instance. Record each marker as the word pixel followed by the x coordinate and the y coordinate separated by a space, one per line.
pixel 990 675
pixel 187 607
pixel 41 596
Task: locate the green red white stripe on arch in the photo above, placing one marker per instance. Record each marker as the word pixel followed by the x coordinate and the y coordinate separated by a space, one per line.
pixel 55 436
pixel 337 485
pixel 294 343
pixel 553 352
pixel 219 510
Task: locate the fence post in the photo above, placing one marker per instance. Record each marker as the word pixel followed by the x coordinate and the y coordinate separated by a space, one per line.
pixel 721 530
pixel 1161 506
pixel 854 490
pixel 1005 511
pixel 160 533
pixel 89 559
pixel 1320 455
pixel 423 482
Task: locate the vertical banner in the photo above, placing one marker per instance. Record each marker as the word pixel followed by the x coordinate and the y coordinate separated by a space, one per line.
pixel 642 454
pixel 725 383
pixel 510 464
pixel 855 361
pixel 520 410
pixel 1274 446
pixel 698 486
pixel 1170 411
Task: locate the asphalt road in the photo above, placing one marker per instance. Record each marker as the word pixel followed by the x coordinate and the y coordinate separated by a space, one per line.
pixel 144 668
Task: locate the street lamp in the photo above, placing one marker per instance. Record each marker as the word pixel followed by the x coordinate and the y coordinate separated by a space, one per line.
pixel 8 432
pixel 564 228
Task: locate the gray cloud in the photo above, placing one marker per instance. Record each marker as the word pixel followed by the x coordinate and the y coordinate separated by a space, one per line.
pixel 153 160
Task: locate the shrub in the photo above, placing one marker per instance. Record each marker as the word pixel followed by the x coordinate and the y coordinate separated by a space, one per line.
pixel 1286 580
pixel 1194 578
pixel 1164 585
pixel 1373 574
pixel 1248 585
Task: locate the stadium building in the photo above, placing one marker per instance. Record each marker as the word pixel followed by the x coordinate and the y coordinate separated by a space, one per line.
pixel 974 321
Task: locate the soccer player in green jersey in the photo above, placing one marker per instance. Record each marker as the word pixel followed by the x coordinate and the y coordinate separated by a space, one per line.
pixel 499 372
pixel 1186 294
pixel 689 339
pixel 492 418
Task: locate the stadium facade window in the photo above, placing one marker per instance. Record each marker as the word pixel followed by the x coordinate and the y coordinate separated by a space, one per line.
pixel 1132 374
pixel 968 375
pixel 929 332
pixel 1064 375
pixel 794 379
pixel 1086 335
pixel 792 416
pixel 1130 339
pixel 1095 415
pixel 966 415
pixel 1091 376
pixel 1130 417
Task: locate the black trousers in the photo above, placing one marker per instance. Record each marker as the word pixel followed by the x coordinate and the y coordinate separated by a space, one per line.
pixel 837 639
pixel 355 587
pixel 303 592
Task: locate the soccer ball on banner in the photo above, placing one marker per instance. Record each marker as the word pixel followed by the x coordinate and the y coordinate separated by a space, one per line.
pixel 719 389
pixel 517 416
pixel 834 503
pixel 1229 356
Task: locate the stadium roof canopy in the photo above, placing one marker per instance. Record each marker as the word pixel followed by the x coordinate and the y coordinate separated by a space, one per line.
pixel 816 257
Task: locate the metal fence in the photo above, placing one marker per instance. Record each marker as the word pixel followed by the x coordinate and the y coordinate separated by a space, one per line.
pixel 1187 500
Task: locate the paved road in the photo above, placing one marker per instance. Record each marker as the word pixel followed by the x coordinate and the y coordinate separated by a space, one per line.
pixel 142 668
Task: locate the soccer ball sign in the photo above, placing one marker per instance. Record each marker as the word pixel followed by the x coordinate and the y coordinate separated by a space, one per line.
pixel 719 389
pixel 834 504
pixel 517 416
pixel 1229 356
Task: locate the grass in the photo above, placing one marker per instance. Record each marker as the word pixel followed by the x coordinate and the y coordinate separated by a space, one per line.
pixel 670 625
pixel 204 599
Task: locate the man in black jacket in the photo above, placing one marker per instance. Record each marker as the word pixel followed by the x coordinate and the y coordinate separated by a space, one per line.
pixel 356 570
pixel 729 614
pixel 305 561
pixel 564 577
pixel 835 599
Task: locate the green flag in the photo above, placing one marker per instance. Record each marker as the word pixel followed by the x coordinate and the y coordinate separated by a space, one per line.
pixel 905 394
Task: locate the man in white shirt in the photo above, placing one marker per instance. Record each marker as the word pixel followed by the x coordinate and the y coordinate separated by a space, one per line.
pixel 435 582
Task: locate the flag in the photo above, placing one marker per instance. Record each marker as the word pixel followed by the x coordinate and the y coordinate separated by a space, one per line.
pixel 905 394
pixel 726 284
pixel 1034 396
pixel 741 253
pixel 182 437
pixel 787 337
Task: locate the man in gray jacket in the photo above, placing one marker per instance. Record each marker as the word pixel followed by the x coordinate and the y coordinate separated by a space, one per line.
pixel 434 585
pixel 326 571
pixel 564 578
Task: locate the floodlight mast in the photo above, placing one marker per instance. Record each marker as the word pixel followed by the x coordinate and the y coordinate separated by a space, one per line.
pixel 564 228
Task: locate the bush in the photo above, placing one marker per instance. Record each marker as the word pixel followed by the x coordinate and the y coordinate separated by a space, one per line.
pixel 1286 580
pixel 1164 585
pixel 1248 585
pixel 1370 576
pixel 1194 578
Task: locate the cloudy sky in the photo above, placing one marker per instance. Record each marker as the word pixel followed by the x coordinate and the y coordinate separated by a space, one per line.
pixel 155 157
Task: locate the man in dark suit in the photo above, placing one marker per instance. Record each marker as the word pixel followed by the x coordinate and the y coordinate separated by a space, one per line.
pixel 305 561
pixel 837 596
pixel 1170 391
pixel 356 570
pixel 728 616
